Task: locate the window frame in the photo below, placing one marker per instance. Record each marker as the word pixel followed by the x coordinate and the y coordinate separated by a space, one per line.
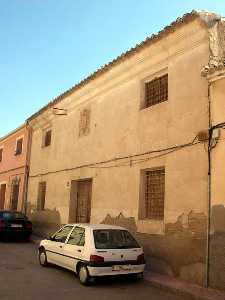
pixel 143 213
pixel 151 78
pixel 85 117
pixel 1 155
pixel 44 134
pixel 16 147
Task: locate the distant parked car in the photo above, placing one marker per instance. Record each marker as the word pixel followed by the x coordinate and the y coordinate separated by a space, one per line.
pixel 93 250
pixel 14 224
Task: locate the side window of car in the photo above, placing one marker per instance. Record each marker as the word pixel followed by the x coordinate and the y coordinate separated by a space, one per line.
pixel 62 234
pixel 77 237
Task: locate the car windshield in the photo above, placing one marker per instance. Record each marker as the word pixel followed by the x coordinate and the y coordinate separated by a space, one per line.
pixel 114 239
pixel 12 215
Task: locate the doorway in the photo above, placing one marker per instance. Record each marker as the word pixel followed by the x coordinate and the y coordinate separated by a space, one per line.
pixel 15 195
pixel 2 195
pixel 80 201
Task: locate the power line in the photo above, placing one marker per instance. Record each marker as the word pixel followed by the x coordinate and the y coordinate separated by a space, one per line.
pixel 116 159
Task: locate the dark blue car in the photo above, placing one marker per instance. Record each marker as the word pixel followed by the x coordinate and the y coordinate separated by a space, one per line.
pixel 14 224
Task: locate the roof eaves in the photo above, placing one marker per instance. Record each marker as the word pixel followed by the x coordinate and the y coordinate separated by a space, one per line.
pixel 153 38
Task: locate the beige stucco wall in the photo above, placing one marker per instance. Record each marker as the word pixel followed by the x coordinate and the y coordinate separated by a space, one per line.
pixel 217 207
pixel 120 128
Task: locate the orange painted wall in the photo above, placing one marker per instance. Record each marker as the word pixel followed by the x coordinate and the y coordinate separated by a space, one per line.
pixel 14 166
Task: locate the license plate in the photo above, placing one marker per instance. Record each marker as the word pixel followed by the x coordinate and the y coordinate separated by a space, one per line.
pixel 16 225
pixel 121 268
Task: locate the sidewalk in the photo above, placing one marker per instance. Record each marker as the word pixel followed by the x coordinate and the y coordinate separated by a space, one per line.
pixel 183 288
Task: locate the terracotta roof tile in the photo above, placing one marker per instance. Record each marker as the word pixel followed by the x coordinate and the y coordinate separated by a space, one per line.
pixel 153 38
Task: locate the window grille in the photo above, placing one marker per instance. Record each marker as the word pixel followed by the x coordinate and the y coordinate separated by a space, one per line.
pixel 156 91
pixel 154 193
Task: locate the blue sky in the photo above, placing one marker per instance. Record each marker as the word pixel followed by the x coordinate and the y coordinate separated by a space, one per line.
pixel 47 46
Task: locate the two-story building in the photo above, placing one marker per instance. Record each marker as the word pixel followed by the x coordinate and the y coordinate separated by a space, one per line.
pixel 14 164
pixel 130 145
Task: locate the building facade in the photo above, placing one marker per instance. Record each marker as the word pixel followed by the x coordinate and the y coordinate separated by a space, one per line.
pixel 14 164
pixel 129 145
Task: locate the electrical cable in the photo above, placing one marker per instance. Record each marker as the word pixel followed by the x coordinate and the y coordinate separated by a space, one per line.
pixel 115 159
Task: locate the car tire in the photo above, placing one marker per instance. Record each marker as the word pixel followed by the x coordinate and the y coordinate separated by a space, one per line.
pixel 42 258
pixel 83 275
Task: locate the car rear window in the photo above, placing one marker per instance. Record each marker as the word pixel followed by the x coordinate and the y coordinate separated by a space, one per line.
pixel 12 215
pixel 114 239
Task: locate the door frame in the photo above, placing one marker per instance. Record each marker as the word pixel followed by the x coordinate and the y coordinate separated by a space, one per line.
pixel 5 184
pixel 73 204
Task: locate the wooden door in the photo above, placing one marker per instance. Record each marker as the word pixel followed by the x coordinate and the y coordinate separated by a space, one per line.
pixel 83 211
pixel 15 196
pixel 2 195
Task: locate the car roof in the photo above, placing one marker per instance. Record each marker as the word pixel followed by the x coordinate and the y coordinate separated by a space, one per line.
pixel 97 226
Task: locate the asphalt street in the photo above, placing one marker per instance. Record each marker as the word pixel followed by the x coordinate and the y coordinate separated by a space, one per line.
pixel 22 278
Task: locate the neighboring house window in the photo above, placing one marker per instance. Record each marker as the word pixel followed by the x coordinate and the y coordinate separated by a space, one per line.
pixel 84 125
pixel 19 146
pixel 153 193
pixel 41 195
pixel 1 154
pixel 47 137
pixel 156 91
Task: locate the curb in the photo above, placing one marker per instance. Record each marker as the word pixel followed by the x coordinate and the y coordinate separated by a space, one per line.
pixel 182 288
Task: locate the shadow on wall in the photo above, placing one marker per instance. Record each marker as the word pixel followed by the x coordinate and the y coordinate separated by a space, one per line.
pixel 45 222
pixel 120 220
pixel 180 252
pixel 217 247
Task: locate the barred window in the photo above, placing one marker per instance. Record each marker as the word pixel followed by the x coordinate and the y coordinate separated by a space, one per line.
pixel 156 91
pixel 154 193
pixel 41 195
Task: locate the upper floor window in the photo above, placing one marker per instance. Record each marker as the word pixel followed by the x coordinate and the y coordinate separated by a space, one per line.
pixel 156 91
pixel 84 125
pixel 1 154
pixel 19 146
pixel 47 137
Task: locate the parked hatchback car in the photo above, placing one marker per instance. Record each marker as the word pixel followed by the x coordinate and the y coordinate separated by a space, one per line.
pixel 93 250
pixel 14 224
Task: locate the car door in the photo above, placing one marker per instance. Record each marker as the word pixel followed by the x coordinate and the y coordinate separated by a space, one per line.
pixel 54 248
pixel 74 247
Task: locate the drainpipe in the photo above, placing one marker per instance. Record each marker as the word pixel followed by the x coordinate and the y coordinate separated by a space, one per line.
pixel 209 189
pixel 209 202
pixel 27 166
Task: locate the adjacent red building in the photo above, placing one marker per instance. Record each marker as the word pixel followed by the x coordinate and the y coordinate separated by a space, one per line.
pixel 14 167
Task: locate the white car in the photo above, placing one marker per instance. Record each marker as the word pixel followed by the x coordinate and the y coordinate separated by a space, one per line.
pixel 93 250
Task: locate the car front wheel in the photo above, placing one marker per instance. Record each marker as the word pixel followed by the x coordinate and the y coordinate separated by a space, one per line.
pixel 83 275
pixel 42 258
